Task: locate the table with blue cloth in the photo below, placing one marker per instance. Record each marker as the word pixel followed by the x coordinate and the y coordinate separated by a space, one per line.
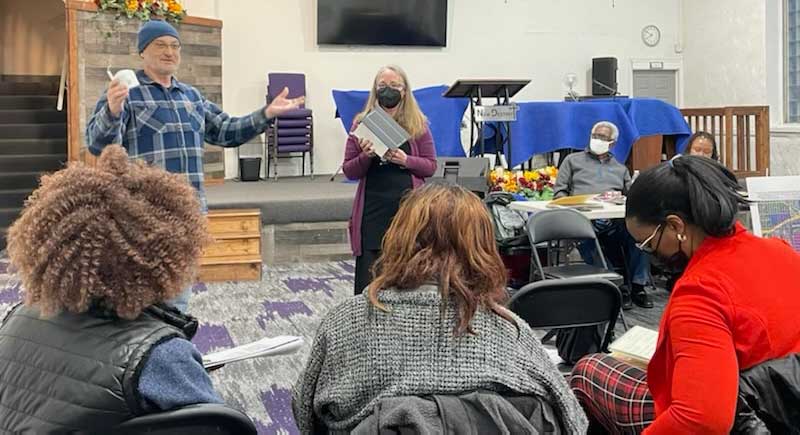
pixel 544 127
pixel 541 127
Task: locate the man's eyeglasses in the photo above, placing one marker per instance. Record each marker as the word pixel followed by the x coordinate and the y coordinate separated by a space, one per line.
pixel 645 244
pixel 162 46
pixel 601 137
pixel 395 86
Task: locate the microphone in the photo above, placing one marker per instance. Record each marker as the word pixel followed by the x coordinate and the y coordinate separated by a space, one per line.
pixel 573 95
pixel 605 86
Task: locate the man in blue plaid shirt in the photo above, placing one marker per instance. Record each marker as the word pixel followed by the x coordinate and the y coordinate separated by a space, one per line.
pixel 165 122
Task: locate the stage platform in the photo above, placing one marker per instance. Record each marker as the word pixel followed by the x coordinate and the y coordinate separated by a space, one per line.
pixel 289 199
pixel 303 220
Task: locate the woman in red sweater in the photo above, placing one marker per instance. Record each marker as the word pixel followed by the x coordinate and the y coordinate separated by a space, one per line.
pixel 735 306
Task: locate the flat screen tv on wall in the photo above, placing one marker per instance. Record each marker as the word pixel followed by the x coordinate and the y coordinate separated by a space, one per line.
pixel 382 22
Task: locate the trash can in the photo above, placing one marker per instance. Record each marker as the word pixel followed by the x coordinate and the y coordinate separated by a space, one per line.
pixel 249 168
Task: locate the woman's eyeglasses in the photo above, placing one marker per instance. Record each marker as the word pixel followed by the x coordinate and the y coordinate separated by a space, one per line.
pixel 645 244
pixel 395 86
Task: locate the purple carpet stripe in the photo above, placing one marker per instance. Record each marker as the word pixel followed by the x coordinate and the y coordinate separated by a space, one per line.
pixel 211 337
pixel 340 271
pixel 278 403
pixel 284 310
pixel 10 295
pixel 298 285
pixel 347 266
pixel 199 288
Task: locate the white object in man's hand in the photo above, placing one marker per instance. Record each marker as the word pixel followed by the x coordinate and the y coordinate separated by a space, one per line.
pixel 116 94
pixel 281 104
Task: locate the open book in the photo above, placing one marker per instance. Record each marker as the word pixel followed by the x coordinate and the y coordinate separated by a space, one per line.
pixel 578 202
pixel 637 345
pixel 573 200
pixel 270 346
pixel 382 130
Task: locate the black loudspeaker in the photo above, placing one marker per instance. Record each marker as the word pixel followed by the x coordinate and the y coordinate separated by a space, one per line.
pixel 470 173
pixel 604 76
pixel 249 168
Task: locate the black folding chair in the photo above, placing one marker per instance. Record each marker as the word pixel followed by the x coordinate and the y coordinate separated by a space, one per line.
pixel 555 304
pixel 203 419
pixel 551 227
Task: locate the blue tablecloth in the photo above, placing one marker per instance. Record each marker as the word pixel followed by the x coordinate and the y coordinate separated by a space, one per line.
pixel 540 127
pixel 444 115
pixel 543 127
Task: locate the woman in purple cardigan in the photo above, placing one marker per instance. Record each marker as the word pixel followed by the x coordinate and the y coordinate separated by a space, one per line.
pixel 384 179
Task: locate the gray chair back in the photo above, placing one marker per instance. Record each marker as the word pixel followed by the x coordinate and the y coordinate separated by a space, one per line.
pixel 559 224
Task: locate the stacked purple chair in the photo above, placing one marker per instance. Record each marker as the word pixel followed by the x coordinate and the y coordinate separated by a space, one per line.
pixel 293 132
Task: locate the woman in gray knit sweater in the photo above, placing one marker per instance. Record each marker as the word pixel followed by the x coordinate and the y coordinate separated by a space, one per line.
pixel 431 322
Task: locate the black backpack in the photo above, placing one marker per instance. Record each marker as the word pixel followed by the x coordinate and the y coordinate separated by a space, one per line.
pixel 509 225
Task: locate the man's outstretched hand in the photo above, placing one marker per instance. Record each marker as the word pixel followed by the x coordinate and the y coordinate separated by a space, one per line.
pixel 281 104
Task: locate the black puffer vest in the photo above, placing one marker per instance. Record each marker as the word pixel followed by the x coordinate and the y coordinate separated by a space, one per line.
pixel 77 373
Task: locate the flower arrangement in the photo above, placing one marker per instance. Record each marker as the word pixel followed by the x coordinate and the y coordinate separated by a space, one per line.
pixel 170 10
pixel 534 185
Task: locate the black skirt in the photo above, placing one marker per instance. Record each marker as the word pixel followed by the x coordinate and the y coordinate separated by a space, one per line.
pixel 385 185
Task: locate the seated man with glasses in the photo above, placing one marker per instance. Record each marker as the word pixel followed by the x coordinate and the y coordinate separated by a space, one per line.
pixel 166 122
pixel 597 171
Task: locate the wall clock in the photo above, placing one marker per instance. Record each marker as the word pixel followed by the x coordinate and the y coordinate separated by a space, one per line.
pixel 651 35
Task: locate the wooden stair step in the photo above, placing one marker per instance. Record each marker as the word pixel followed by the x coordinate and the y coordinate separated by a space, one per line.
pixel 235 254
pixel 234 212
pixel 238 259
pixel 226 248
pixel 233 236
pixel 240 271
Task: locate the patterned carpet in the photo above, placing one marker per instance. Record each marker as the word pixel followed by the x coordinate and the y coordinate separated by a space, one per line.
pixel 290 300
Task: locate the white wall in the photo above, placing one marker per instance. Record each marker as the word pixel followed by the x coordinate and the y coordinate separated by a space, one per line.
pixel 734 56
pixel 542 40
pixel 202 8
pixel 725 62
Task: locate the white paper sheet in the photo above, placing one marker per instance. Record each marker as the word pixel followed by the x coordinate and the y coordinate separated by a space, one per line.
pixel 269 346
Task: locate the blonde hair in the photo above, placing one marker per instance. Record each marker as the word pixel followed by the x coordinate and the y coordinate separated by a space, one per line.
pixel 408 114
pixel 122 235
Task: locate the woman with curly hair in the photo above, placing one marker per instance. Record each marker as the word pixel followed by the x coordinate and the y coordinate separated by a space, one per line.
pixel 432 322
pixel 99 250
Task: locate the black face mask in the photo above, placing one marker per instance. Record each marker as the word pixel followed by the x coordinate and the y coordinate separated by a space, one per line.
pixel 389 98
pixel 676 263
